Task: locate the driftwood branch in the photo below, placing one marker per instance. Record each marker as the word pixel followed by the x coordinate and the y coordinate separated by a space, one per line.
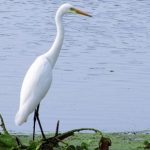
pixel 71 132
pixel 2 124
pixel 56 139
pixel 53 141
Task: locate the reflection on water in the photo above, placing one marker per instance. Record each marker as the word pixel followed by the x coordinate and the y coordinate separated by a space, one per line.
pixel 102 77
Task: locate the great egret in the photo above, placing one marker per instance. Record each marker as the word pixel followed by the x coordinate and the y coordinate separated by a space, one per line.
pixel 38 78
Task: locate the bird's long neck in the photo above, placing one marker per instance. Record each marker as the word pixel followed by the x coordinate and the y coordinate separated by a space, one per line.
pixel 54 51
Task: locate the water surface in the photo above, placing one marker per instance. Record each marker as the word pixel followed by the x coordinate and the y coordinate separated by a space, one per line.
pixel 102 77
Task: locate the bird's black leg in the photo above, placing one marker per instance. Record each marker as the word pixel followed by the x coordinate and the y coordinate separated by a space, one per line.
pixel 34 121
pixel 37 117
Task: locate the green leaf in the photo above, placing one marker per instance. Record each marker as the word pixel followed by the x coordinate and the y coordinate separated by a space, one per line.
pixel 79 148
pixel 7 141
pixel 84 146
pixel 71 147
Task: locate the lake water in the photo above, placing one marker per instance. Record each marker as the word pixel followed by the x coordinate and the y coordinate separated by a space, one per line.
pixel 102 76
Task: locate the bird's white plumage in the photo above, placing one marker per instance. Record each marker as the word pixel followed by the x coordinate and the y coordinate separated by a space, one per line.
pixel 35 86
pixel 38 78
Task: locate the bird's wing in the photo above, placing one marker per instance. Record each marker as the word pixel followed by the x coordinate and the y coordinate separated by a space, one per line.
pixel 36 83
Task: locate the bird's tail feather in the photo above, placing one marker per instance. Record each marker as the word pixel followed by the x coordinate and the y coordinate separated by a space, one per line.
pixel 20 118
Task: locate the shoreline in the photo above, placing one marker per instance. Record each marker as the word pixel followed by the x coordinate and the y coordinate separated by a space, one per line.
pixel 105 132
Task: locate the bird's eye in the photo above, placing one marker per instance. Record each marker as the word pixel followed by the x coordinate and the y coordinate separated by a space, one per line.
pixel 72 9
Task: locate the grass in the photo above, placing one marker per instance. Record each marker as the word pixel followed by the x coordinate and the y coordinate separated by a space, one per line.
pixel 120 141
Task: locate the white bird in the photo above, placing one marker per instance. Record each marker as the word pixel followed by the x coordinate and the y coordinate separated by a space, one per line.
pixel 38 78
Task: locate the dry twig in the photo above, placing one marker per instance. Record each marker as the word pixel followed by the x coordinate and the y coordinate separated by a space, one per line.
pixel 2 124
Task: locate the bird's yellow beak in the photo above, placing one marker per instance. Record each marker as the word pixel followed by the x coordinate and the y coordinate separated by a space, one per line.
pixel 77 11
